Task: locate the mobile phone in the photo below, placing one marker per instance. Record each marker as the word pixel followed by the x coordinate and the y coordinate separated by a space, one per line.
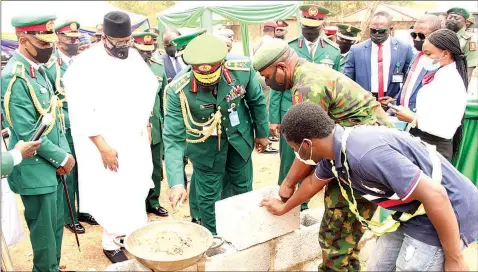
pixel 390 105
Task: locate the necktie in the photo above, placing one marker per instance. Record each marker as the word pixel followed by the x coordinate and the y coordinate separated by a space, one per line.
pixel 409 77
pixel 380 71
pixel 177 64
pixel 312 50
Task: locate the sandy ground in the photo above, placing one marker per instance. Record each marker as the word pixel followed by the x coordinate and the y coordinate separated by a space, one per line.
pixel 92 257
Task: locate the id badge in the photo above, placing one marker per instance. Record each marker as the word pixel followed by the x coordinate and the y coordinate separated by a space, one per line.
pixel 234 118
pixel 214 132
pixel 397 78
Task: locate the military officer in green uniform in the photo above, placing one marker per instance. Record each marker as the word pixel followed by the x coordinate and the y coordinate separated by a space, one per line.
pixel 67 48
pixel 349 105
pixel 346 37
pixel 27 98
pixel 314 48
pixel 22 150
pixel 456 21
pixel 206 107
pixel 144 43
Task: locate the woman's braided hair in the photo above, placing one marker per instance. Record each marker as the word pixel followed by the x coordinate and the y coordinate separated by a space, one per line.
pixel 446 39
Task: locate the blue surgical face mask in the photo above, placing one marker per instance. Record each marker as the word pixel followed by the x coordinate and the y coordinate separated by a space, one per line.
pixel 308 161
pixel 432 64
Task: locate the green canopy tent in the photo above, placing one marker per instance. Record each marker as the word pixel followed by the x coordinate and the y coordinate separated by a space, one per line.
pixel 205 14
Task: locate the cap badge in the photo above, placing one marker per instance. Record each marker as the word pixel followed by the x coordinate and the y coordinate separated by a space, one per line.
pixel 50 26
pixel 313 11
pixel 148 38
pixel 73 27
pixel 349 29
pixel 204 68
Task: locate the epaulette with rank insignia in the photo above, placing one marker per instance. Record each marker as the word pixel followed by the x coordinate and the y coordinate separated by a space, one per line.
pixel 238 65
pixel 466 35
pixel 19 69
pixel 178 84
pixel 155 60
pixel 293 40
pixel 52 61
pixel 331 43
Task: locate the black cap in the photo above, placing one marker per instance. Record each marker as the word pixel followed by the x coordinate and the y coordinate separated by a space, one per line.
pixel 117 24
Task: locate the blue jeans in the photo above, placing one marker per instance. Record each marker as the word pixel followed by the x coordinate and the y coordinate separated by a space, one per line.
pixel 397 251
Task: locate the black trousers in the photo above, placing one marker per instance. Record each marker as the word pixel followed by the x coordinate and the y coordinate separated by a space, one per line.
pixel 444 146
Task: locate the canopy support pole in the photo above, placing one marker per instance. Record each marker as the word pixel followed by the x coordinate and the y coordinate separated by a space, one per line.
pixel 299 27
pixel 206 20
pixel 245 39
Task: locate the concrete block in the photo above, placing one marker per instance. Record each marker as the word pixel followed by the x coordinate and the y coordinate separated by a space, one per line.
pixel 129 265
pixel 256 258
pixel 301 245
pixel 241 221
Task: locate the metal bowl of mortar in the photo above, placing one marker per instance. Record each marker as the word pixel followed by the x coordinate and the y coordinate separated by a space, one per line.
pixel 170 245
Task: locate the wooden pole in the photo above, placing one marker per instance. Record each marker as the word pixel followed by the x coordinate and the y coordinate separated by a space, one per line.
pixel 372 7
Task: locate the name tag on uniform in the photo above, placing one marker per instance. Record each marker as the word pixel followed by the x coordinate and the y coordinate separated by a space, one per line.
pixel 43 90
pixel 206 106
pixel 206 128
pixel 234 118
pixel 397 78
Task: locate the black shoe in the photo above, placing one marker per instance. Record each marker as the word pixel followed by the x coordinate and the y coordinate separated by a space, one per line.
pixel 303 208
pixel 197 221
pixel 115 256
pixel 90 220
pixel 271 150
pixel 159 211
pixel 79 228
pixel 273 139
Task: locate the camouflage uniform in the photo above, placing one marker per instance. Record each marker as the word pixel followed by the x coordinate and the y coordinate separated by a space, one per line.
pixel 348 105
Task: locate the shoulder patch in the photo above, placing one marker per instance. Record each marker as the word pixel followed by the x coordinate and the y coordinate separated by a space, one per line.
pixel 19 69
pixel 52 61
pixel 238 65
pixel 179 83
pixel 331 43
pixel 472 46
pixel 293 40
pixel 158 61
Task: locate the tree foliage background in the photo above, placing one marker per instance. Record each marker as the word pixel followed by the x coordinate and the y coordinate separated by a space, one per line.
pixel 147 8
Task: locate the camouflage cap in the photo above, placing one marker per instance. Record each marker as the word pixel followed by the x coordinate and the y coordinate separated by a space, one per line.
pixel 461 11
pixel 348 32
pixel 182 41
pixel 69 29
pixel 205 49
pixel 312 15
pixel 41 26
pixel 268 53
pixel 144 40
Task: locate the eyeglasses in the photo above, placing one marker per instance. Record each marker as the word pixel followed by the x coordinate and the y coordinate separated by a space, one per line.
pixel 414 35
pixel 71 40
pixel 379 30
pixel 127 43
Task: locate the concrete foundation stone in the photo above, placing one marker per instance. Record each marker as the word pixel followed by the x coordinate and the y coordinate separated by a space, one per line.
pixel 256 258
pixel 241 221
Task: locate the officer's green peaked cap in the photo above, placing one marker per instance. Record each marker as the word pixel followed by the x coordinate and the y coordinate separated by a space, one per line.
pixel 205 49
pixel 268 53
pixel 183 40
pixel 463 12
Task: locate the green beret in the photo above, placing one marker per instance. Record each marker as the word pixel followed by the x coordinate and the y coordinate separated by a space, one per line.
pixel 180 42
pixel 41 26
pixel 69 28
pixel 144 40
pixel 348 32
pixel 268 53
pixel 312 15
pixel 205 49
pixel 463 12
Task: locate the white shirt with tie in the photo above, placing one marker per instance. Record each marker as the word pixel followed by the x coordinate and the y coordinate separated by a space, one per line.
pixel 181 63
pixel 310 45
pixel 386 58
pixel 64 58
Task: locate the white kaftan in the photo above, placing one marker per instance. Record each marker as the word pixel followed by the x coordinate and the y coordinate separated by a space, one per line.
pixel 116 103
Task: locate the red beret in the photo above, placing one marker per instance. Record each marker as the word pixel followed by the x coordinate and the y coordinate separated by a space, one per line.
pixel 270 24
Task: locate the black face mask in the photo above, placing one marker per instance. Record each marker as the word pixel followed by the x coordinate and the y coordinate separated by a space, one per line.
pixel 118 52
pixel 271 82
pixel 344 47
pixel 379 38
pixel 43 54
pixel 418 45
pixel 311 33
pixel 72 49
pixel 171 51
pixel 453 25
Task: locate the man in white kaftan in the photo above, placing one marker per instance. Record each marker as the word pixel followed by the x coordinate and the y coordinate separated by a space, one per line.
pixel 109 124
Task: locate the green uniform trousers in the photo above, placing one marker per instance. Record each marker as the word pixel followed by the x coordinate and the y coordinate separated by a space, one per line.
pixel 72 186
pixel 152 201
pixel 340 231
pixel 45 219
pixel 206 186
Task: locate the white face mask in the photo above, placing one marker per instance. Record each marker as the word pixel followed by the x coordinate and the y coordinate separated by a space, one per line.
pixel 309 161
pixel 432 64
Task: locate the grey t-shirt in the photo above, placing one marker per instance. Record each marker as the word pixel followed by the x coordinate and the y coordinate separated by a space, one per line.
pixel 385 167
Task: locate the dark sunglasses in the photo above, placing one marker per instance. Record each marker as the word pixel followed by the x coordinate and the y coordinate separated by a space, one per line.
pixel 414 35
pixel 379 31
